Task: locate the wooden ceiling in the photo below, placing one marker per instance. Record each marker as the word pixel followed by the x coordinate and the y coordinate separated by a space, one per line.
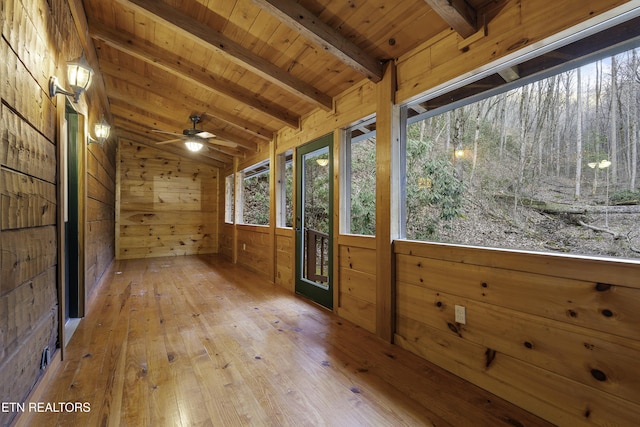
pixel 247 67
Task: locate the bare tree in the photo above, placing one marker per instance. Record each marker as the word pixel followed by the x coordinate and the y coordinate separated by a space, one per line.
pixel 613 123
pixel 502 117
pixel 578 134
pixel 556 132
pixel 567 120
pixel 634 122
pixel 524 111
pixel 423 127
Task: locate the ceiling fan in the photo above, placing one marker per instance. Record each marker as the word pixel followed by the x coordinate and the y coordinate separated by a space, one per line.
pixel 194 138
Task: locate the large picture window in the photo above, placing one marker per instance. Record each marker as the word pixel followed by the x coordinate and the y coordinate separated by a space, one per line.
pixel 550 165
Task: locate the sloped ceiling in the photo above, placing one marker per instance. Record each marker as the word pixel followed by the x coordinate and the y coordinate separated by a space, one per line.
pixel 247 68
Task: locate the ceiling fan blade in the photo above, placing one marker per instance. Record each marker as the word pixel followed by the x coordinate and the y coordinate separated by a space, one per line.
pixel 205 134
pixel 164 131
pixel 168 141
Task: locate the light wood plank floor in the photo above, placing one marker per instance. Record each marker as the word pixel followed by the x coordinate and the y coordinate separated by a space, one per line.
pixel 196 341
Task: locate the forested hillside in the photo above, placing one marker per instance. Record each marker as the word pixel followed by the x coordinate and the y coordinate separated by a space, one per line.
pixel 550 166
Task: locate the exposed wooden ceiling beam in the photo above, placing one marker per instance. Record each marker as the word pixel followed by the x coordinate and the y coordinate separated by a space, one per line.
pixel 183 68
pixel 203 34
pixel 122 122
pixel 188 102
pixel 311 27
pixel 138 115
pixel 459 14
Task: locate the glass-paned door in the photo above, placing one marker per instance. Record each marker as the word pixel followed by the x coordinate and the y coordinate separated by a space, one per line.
pixel 314 221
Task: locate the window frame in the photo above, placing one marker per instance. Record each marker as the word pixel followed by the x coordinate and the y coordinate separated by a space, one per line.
pixel 512 61
pixel 282 160
pixel 347 140
pixel 241 177
pixel 229 199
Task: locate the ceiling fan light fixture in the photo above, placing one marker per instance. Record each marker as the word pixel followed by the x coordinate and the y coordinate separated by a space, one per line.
pixel 193 146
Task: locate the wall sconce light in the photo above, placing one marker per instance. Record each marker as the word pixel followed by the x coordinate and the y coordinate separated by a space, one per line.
pixel 79 75
pixel 322 162
pixel 458 153
pixel 101 129
pixel 193 145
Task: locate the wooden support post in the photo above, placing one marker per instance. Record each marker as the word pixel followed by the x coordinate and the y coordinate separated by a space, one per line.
pixel 387 199
pixel 273 200
pixel 238 208
pixel 338 169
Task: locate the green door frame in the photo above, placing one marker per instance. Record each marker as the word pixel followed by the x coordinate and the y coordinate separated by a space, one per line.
pixel 73 303
pixel 320 294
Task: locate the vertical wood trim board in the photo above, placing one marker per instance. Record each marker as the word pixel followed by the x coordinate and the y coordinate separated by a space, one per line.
pixel 387 124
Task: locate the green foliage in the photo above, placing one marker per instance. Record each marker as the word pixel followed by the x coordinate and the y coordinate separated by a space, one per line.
pixel 289 194
pixel 434 193
pixel 625 197
pixel 363 187
pixel 256 200
pixel 316 196
pixel 363 211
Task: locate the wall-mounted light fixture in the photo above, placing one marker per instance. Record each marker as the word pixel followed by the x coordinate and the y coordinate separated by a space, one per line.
pixel 79 75
pixel 101 130
pixel 193 145
pixel 322 161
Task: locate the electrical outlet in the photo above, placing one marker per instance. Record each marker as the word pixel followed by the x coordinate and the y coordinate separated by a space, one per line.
pixel 461 315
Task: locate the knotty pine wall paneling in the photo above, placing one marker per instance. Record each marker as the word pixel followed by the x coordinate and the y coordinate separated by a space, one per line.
pixel 168 205
pixel 555 335
pixel 285 258
pixel 254 248
pixel 357 277
pixel 226 241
